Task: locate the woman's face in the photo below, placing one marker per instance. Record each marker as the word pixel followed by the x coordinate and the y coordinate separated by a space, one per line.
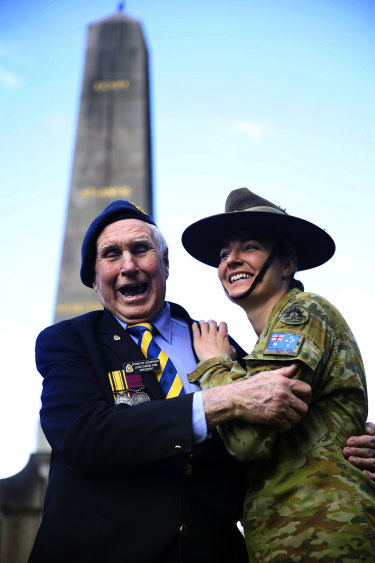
pixel 241 260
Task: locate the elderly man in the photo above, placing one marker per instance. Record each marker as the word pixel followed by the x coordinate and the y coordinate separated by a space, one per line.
pixel 137 472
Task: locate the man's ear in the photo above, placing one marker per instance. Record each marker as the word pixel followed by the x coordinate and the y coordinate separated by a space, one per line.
pixel 165 262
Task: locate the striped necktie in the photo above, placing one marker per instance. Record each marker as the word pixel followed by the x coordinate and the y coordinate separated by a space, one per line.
pixel 167 375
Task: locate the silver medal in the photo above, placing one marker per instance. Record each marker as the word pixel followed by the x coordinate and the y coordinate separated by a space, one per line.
pixel 123 398
pixel 140 397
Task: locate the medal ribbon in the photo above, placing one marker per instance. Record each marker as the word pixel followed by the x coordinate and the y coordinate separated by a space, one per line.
pixel 122 382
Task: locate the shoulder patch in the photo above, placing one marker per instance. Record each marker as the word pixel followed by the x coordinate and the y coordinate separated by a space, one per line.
pixel 284 343
pixel 295 315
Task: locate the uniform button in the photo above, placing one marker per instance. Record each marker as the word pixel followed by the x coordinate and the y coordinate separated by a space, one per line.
pixel 177 448
pixel 188 469
pixel 184 530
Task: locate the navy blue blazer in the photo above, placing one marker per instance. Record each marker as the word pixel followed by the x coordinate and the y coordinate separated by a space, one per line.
pixel 127 483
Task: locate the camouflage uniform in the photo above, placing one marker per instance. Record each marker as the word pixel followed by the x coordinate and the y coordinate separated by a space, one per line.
pixel 304 501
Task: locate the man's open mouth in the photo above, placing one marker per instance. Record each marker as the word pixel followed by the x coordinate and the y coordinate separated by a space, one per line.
pixel 133 290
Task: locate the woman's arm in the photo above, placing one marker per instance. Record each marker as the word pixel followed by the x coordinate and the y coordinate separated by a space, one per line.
pixel 241 439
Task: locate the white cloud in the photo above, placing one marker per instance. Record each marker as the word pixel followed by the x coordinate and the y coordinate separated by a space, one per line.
pixel 10 59
pixel 10 79
pixel 254 130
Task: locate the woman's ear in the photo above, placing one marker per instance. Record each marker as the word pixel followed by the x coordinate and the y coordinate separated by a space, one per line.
pixel 290 266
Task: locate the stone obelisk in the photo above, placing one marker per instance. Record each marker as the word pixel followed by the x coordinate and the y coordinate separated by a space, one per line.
pixel 112 160
pixel 112 157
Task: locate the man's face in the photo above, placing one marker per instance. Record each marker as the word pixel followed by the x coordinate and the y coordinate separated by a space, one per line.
pixel 130 274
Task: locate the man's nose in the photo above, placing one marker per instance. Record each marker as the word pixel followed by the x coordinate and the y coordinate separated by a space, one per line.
pixel 128 263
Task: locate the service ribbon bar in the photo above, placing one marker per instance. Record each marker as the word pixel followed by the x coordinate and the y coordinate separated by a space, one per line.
pixel 121 382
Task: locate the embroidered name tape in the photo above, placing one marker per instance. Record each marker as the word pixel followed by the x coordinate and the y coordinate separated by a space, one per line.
pixel 284 343
pixel 142 366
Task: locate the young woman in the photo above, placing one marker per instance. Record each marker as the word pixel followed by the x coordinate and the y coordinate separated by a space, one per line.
pixel 304 500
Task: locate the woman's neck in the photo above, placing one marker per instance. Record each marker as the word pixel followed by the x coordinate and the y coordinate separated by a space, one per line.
pixel 258 312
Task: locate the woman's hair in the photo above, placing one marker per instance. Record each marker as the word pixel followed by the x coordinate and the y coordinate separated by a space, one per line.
pixel 284 248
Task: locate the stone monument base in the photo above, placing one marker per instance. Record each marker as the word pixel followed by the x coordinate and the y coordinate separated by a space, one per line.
pixel 21 505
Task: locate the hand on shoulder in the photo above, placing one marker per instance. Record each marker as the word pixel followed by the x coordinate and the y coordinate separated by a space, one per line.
pixel 360 451
pixel 211 340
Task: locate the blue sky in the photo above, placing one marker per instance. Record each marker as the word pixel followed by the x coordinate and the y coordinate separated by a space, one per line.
pixel 275 96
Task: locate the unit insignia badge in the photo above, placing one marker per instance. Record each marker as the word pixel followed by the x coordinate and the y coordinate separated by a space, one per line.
pixel 137 207
pixel 295 315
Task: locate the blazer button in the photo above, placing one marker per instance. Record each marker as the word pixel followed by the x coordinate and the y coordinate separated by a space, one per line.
pixel 177 448
pixel 188 469
pixel 184 530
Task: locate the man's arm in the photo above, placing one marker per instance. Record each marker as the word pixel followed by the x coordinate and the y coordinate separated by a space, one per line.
pixel 360 451
pixel 88 430
pixel 266 398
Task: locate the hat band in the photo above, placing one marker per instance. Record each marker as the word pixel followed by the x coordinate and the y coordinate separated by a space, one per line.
pixel 266 209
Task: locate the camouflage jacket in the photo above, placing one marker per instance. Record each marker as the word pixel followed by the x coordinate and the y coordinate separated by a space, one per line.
pixel 304 501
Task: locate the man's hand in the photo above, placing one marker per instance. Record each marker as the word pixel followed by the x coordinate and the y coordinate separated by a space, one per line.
pixel 360 451
pixel 269 397
pixel 211 340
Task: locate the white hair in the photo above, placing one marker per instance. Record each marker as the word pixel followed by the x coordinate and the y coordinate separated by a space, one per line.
pixel 159 240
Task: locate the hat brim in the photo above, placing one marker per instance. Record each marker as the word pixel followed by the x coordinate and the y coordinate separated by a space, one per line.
pixel 204 239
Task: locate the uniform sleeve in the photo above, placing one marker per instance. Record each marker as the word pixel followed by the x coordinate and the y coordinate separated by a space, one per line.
pixel 250 442
pixel 86 428
pixel 244 441
pixel 217 371
pixel 309 344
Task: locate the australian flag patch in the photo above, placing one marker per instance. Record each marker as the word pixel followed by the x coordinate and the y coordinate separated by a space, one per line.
pixel 283 343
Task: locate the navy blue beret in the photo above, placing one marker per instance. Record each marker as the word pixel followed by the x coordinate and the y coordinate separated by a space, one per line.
pixel 115 211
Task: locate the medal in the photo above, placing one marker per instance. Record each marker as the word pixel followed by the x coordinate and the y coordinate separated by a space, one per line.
pixel 137 398
pixel 140 397
pixel 123 398
pixel 127 387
